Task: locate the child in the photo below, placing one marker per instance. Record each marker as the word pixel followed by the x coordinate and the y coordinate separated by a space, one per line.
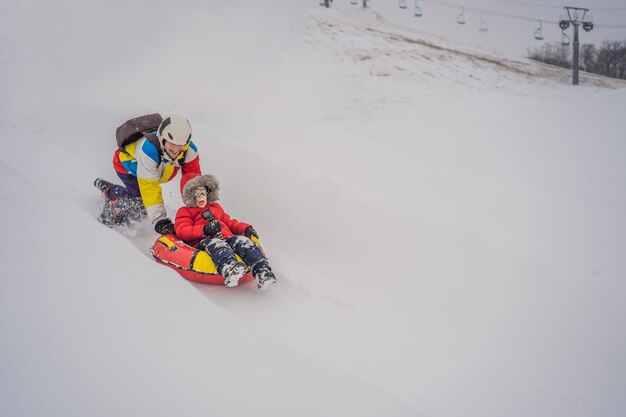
pixel 204 224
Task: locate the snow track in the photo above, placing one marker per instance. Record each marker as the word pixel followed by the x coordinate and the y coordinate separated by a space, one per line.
pixel 446 223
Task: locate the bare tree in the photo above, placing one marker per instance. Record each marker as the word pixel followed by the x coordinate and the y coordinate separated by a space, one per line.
pixel 610 59
pixel 553 54
pixel 621 67
pixel 588 56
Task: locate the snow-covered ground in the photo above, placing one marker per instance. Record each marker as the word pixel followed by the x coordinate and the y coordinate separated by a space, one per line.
pixel 448 225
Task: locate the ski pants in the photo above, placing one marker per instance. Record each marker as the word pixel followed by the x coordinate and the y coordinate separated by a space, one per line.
pixel 222 252
pixel 129 189
pixel 123 202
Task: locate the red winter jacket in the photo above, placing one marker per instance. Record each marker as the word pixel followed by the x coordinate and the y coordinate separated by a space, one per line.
pixel 189 224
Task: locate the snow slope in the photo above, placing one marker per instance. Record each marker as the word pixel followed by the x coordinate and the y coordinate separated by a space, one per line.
pixel 447 224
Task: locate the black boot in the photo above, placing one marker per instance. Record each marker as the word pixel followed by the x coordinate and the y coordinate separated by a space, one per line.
pixel 101 184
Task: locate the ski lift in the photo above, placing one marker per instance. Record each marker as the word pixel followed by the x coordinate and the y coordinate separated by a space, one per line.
pixel 460 19
pixel 402 4
pixel 353 2
pixel 564 21
pixel 418 10
pixel 565 40
pixel 483 25
pixel 539 32
pixel 588 22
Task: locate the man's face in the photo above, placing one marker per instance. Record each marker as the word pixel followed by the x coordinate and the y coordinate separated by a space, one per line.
pixel 201 197
pixel 172 150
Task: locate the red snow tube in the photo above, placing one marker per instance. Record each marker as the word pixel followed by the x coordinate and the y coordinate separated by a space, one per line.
pixel 193 264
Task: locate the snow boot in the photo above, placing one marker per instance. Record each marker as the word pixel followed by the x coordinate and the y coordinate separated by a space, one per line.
pixel 106 219
pixel 264 278
pixel 122 211
pixel 101 184
pixel 232 273
pixel 108 214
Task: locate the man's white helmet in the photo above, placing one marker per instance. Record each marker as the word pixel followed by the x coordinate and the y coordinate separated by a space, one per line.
pixel 176 129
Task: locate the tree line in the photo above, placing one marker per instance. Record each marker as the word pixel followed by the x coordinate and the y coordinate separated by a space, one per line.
pixel 609 59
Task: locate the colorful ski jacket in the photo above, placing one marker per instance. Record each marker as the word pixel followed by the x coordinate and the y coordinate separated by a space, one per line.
pixel 189 223
pixel 152 167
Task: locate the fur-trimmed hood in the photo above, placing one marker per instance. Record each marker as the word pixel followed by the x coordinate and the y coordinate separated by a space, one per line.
pixel 189 182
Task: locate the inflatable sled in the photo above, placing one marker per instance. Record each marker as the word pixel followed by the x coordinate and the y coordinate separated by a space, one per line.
pixel 193 264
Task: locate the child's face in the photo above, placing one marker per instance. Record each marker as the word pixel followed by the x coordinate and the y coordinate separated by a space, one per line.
pixel 201 196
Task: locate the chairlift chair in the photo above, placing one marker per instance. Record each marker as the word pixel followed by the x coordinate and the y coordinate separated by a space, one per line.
pixel 539 32
pixel 483 25
pixel 565 39
pixel 402 4
pixel 460 19
pixel 353 1
pixel 418 10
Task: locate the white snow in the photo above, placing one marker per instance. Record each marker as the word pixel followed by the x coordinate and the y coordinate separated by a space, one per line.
pixel 447 224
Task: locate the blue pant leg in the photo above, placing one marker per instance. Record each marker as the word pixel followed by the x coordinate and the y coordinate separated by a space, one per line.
pixel 251 254
pixel 129 189
pixel 221 253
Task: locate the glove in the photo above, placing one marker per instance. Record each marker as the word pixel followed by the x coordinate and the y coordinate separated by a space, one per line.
pixel 164 226
pixel 213 228
pixel 249 232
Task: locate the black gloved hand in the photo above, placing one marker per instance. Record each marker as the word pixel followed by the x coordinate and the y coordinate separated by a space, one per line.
pixel 249 232
pixel 164 226
pixel 214 227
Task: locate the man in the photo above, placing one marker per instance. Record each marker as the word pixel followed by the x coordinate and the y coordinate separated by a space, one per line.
pixel 143 167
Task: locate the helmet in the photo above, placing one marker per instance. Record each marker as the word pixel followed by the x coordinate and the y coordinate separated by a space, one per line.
pixel 175 129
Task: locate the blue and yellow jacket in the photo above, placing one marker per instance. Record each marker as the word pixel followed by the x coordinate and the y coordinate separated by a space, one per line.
pixel 152 167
